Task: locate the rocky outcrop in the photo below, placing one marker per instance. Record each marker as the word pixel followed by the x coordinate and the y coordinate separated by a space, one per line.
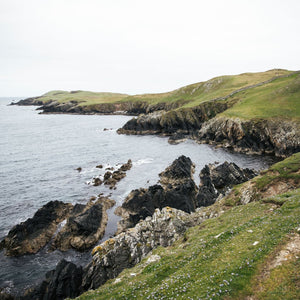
pixel 217 180
pixel 33 234
pixel 185 120
pixel 177 190
pixel 128 248
pixel 61 283
pixel 85 226
pixel 276 137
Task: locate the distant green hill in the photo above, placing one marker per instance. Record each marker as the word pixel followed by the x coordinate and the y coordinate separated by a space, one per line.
pixel 277 98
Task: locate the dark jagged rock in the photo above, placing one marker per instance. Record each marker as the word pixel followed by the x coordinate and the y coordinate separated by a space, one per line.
pixel 107 175
pixel 177 190
pixel 79 169
pixel 227 174
pixel 277 137
pixel 99 166
pixel 182 168
pixel 85 226
pixel 217 180
pixel 33 234
pixel 112 178
pixel 61 283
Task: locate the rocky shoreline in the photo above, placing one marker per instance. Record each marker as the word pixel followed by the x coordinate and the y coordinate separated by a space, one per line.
pixel 152 217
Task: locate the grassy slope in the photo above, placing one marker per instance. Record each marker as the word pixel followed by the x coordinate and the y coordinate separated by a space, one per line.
pixel 280 98
pixel 82 96
pixel 225 257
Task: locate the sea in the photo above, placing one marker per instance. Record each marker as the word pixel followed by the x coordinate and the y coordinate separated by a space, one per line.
pixel 40 154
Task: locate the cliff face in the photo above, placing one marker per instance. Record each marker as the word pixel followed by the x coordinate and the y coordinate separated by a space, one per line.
pixel 276 137
pixel 184 120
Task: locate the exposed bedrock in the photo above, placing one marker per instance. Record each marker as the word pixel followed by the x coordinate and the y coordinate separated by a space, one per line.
pixel 276 137
pixel 184 120
pixel 217 180
pixel 61 283
pixel 85 225
pixel 33 234
pixel 177 189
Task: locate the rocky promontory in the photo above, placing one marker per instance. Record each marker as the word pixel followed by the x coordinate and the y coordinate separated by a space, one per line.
pixel 186 121
pixel 84 226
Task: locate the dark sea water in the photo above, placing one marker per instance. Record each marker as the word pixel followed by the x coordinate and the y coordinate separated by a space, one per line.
pixel 38 161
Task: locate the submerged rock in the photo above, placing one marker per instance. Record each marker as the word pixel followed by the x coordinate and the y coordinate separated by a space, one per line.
pixel 33 234
pixel 112 178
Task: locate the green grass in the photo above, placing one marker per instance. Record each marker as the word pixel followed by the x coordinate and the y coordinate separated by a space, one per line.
pixel 87 98
pixel 218 259
pixel 278 99
pixel 284 170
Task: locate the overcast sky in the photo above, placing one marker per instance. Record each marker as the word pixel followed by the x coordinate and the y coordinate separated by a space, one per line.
pixel 141 46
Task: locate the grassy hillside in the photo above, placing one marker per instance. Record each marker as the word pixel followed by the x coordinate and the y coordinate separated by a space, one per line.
pixel 81 96
pixel 192 94
pixel 250 250
pixel 208 90
pixel 280 98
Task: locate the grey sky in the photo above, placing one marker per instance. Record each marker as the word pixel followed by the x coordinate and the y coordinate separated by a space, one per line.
pixel 141 46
